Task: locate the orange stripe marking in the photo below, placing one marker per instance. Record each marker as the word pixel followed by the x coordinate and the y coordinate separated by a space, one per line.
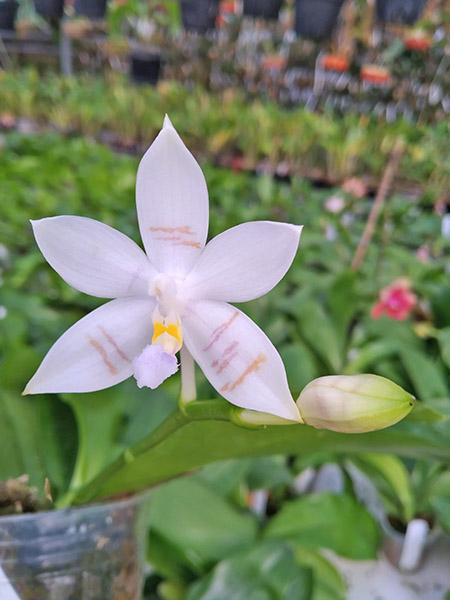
pixel 102 352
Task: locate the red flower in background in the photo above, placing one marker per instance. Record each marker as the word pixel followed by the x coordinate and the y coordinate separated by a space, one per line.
pixel 396 301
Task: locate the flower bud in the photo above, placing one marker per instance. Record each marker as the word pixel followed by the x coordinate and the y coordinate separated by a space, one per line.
pixel 353 403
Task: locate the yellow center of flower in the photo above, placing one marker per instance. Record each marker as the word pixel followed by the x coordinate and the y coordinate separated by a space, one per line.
pixel 168 334
pixel 167 331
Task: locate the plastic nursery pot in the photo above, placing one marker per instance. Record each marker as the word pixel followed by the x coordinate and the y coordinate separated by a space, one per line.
pixel 8 12
pixel 316 19
pixel 52 9
pixel 199 15
pixel 145 66
pixel 93 9
pixel 407 549
pixel 404 12
pixel 267 9
pixel 90 553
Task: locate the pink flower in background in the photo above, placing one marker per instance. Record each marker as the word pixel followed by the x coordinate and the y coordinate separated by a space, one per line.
pixel 396 301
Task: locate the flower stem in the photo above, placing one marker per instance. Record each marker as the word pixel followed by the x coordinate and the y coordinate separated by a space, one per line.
pixel 188 389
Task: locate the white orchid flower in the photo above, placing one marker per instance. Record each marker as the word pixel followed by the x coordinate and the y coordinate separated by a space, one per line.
pixel 174 297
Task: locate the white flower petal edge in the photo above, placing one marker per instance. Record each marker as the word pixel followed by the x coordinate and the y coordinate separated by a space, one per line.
pixel 244 262
pixel 238 358
pixel 93 257
pixel 172 204
pixel 97 351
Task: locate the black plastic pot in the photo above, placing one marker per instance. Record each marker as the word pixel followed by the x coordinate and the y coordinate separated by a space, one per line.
pixel 316 19
pixel 405 12
pixel 199 15
pixel 94 9
pixel 145 66
pixel 50 9
pixel 8 12
pixel 267 9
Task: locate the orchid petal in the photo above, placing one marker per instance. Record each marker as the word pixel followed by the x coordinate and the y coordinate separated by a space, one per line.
pixel 93 257
pixel 97 352
pixel 238 358
pixel 172 204
pixel 244 262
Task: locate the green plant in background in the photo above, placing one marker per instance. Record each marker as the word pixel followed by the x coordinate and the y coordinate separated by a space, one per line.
pixel 228 126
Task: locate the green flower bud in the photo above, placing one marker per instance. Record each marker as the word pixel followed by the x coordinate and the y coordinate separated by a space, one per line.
pixel 353 403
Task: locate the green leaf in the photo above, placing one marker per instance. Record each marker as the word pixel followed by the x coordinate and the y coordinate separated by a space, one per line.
pixel 439 498
pixel 328 582
pixel 269 472
pixel 178 446
pixel 342 302
pixel 317 329
pixel 300 366
pixel 327 521
pixel 369 355
pixel 18 366
pixel 266 572
pixel 393 478
pixel 226 476
pixel 60 442
pixel 441 507
pixel 423 413
pixel 444 344
pixel 426 375
pixel 22 448
pixel 192 517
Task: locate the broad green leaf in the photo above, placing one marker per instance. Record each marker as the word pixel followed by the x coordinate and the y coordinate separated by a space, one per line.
pixel 168 560
pixel 328 582
pixel 327 521
pixel 269 472
pixel 317 329
pixel 192 517
pixel 21 439
pixel 423 413
pixel 426 375
pixel 38 433
pixel 342 302
pixel 18 365
pixel 369 355
pixel 226 476
pixel 266 572
pixel 60 442
pixel 301 367
pixel 393 478
pixel 178 446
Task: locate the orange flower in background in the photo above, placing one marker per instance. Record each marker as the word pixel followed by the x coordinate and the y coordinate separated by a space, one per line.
pixel 335 62
pixel 396 301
